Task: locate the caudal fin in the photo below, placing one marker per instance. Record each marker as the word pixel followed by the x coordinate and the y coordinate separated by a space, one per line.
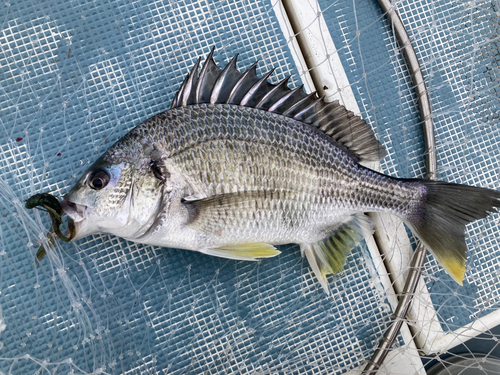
pixel 440 221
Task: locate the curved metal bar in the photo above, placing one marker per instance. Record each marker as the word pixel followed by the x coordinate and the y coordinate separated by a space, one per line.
pixel 418 260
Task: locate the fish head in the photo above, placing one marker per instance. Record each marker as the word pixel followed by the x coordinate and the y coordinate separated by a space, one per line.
pixel 120 194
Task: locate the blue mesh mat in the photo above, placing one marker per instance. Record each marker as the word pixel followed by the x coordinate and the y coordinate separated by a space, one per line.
pixel 75 77
pixel 457 46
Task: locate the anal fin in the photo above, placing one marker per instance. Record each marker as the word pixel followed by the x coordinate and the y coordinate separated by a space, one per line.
pixel 328 255
pixel 249 251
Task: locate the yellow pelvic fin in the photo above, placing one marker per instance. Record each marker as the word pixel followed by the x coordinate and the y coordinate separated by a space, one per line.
pixel 247 251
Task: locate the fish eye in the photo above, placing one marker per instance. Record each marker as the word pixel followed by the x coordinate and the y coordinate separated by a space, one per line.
pixel 98 179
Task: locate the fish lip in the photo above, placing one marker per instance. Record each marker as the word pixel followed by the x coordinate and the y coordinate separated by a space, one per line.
pixel 78 212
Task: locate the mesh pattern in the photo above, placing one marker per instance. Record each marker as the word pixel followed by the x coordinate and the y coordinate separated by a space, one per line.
pixel 454 45
pixel 76 76
pixel 460 69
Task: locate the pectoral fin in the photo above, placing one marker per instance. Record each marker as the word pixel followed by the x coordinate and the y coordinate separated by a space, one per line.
pixel 249 251
pixel 328 256
pixel 214 214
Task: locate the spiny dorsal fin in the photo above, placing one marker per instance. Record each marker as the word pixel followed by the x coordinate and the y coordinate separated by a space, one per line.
pixel 229 86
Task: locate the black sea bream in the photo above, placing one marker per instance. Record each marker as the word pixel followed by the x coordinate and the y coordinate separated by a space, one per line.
pixel 238 165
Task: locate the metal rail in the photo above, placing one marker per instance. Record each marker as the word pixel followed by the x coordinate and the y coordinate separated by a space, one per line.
pixel 418 260
pixel 413 65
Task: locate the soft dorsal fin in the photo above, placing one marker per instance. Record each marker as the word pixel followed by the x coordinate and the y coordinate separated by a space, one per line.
pixel 229 86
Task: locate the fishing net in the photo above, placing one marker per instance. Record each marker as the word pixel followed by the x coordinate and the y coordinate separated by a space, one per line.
pixel 75 76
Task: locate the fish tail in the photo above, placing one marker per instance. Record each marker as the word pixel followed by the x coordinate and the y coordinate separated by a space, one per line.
pixel 440 218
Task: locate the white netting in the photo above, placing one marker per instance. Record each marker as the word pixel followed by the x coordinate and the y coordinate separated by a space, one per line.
pixel 76 76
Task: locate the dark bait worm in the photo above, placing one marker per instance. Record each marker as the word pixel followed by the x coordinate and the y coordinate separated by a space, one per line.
pixel 53 207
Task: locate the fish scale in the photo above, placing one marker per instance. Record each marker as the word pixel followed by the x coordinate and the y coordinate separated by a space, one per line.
pixel 213 156
pixel 238 165
pixel 321 170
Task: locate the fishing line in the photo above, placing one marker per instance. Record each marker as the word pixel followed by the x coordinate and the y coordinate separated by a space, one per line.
pixel 417 264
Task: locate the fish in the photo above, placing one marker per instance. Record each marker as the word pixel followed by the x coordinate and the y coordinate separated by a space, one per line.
pixel 238 166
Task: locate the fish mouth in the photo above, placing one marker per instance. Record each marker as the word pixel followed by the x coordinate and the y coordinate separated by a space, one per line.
pixel 76 211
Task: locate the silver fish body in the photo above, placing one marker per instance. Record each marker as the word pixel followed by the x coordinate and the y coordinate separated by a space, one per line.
pixel 278 180
pixel 229 173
